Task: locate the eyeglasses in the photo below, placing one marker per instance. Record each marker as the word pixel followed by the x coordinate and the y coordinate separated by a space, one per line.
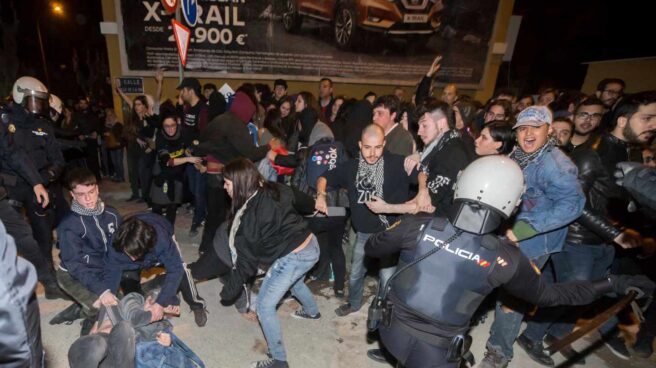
pixel 612 92
pixel 585 116
pixel 496 116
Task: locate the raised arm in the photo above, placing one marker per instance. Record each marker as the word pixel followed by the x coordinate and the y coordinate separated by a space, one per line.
pixel 123 96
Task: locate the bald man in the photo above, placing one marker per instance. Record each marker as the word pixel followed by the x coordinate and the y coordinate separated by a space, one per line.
pixel 450 94
pixel 377 186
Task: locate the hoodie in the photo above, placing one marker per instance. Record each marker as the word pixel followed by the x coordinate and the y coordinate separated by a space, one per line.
pixel 227 136
pixel 243 107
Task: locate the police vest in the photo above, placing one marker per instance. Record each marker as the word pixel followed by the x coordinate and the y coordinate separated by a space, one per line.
pixel 448 286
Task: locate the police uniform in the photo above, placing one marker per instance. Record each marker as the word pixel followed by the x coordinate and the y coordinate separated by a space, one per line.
pixel 431 303
pixel 41 163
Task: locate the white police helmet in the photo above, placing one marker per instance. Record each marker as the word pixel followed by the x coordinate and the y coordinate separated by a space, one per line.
pixel 495 181
pixel 56 104
pixel 32 95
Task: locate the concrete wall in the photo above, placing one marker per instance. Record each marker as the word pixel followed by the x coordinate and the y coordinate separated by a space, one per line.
pixel 352 90
pixel 639 74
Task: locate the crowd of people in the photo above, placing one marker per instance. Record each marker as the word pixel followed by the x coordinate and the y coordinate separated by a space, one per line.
pixel 286 187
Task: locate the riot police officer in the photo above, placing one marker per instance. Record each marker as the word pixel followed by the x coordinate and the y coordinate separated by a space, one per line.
pixel 448 265
pixel 28 138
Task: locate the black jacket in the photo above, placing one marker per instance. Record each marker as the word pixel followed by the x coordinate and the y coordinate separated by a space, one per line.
pixel 442 165
pixel 269 229
pixel 227 138
pixel 355 121
pixel 510 270
pixel 395 190
pixel 34 136
pixel 593 227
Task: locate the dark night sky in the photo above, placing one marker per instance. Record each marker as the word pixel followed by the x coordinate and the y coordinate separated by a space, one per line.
pixel 556 36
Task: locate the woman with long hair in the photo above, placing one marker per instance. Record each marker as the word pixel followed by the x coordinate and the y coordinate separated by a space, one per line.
pixel 138 133
pixel 307 110
pixel 266 230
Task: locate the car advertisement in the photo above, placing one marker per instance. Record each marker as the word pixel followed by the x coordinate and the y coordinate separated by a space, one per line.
pixel 358 41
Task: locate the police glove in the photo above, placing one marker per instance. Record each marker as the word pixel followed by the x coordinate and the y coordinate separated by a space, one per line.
pixel 623 284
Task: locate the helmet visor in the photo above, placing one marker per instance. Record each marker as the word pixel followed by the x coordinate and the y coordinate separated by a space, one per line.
pixel 37 105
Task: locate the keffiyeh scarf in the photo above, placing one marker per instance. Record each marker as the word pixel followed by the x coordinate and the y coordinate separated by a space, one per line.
pixel 81 210
pixel 372 177
pixel 523 159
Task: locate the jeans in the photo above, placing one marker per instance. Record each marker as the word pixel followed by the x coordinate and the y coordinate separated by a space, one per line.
pixel 113 350
pixel 577 262
pixel 359 271
pixel 507 323
pixel 284 274
pixel 198 188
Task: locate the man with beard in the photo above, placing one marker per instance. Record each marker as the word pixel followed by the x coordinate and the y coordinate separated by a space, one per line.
pixel 609 90
pixel 633 124
pixel 375 175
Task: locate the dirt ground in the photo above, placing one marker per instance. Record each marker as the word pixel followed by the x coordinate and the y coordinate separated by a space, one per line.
pixel 229 340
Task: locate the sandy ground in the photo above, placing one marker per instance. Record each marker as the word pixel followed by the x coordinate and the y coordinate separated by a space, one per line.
pixel 228 340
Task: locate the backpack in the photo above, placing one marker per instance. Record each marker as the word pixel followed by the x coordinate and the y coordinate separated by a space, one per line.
pixel 152 354
pixel 323 156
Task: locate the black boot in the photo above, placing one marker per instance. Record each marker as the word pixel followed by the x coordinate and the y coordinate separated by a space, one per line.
pixel 535 351
pixel 68 315
pixel 53 291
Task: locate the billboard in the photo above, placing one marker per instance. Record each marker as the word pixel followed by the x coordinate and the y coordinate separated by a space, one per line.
pixel 358 41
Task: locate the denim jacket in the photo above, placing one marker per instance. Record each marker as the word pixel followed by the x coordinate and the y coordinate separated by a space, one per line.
pixel 553 199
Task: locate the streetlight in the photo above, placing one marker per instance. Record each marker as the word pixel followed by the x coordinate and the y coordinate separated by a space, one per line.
pixel 57 9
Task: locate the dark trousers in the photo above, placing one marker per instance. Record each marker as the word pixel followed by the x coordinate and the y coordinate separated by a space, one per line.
pixel 198 188
pixel 133 153
pixel 41 219
pixel 91 156
pixel 410 351
pixel 329 232
pixel 648 328
pixel 130 283
pixel 25 242
pixel 140 170
pixel 169 210
pixel 79 293
pixel 217 209
pixel 208 266
pixel 113 350
pixel 116 159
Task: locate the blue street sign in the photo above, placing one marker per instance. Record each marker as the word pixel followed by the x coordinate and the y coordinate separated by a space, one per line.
pixel 190 11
